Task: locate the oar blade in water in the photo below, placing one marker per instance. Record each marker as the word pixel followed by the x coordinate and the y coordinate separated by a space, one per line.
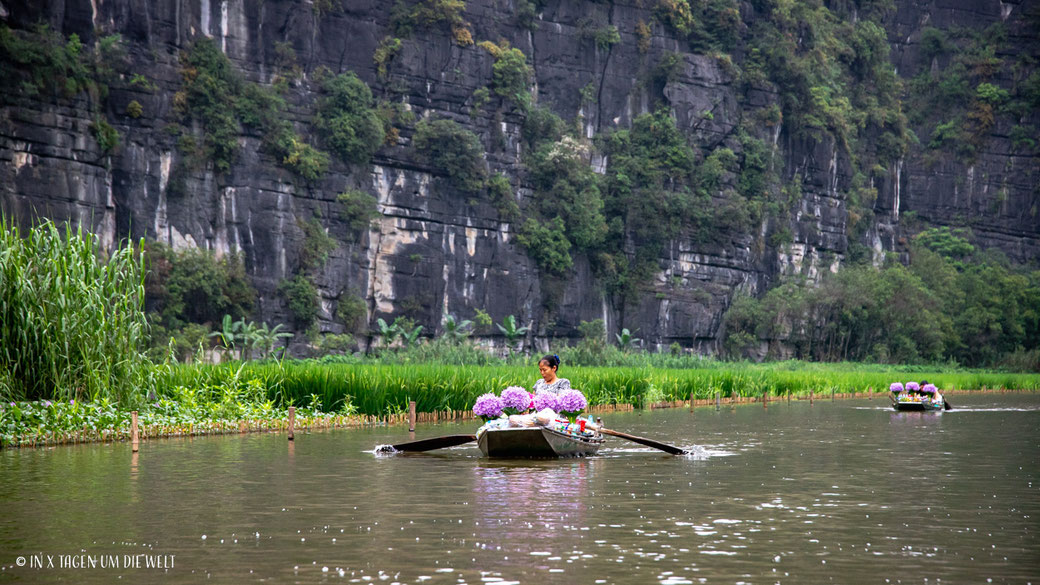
pixel 671 449
pixel 428 444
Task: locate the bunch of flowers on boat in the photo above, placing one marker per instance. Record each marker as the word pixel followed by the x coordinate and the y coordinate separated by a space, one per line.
pixel 488 406
pixel 571 403
pixel 895 387
pixel 544 400
pixel 516 400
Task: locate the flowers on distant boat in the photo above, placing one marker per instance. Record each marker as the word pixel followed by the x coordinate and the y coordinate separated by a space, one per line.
pixel 544 400
pixel 895 387
pixel 912 386
pixel 488 406
pixel 928 389
pixel 515 400
pixel 571 402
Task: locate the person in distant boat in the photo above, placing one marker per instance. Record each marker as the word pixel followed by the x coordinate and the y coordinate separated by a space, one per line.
pixel 550 382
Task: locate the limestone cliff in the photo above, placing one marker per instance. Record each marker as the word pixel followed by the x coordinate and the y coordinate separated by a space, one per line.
pixel 435 251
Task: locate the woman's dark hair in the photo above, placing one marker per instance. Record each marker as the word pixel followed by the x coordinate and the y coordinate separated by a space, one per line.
pixel 552 360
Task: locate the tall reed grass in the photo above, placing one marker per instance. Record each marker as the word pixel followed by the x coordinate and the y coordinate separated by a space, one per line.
pixel 72 324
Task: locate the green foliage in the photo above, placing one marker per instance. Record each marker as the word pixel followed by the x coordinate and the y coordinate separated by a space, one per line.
pixel 501 194
pixel 453 150
pixel 482 319
pixel 946 242
pixel 71 321
pixel 216 96
pixel 317 244
pixel 456 331
pixel 834 77
pixel 604 37
pixel 542 125
pixel 193 286
pixel 107 137
pixel 959 99
pixel 385 52
pixel 134 109
pixel 301 299
pixel 510 330
pixel 210 87
pixel 567 188
pixel 547 245
pixel 359 209
pixel 934 42
pixel 939 308
pixel 991 94
pixel 404 18
pixel 347 120
pixel 625 339
pixel 39 60
pixel 352 311
pixel 651 195
pixel 511 75
pixel 710 24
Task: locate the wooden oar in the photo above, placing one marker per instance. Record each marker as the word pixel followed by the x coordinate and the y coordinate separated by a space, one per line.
pixel 641 440
pixel 428 444
pixel 946 404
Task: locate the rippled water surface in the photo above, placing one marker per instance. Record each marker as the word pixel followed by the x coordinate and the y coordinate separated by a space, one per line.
pixel 844 492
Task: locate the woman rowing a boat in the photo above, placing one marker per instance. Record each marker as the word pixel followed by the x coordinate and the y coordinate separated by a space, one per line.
pixel 550 382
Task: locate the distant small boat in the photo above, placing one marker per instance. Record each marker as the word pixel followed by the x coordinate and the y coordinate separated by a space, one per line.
pixel 904 403
pixel 537 441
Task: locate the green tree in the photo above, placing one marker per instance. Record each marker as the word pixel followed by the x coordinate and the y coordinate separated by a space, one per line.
pixel 453 150
pixel 347 118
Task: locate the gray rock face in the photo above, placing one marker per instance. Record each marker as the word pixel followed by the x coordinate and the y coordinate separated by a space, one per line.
pixel 435 251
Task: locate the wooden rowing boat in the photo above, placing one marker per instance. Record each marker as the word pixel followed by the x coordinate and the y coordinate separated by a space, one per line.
pixel 537 441
pixel 905 405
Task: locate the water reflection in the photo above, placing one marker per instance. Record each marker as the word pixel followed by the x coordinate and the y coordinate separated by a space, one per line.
pixel 545 496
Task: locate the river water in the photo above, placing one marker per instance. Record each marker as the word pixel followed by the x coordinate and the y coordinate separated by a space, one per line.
pixel 836 492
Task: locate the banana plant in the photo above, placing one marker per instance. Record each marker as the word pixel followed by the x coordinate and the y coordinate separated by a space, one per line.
pixel 387 332
pixel 510 330
pixel 410 337
pixel 625 339
pixel 266 338
pixel 456 331
pixel 229 334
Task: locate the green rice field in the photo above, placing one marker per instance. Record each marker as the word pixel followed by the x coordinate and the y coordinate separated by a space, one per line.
pixel 375 389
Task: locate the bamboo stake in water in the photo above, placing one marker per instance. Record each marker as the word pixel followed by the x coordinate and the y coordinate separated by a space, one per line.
pixel 133 432
pixel 292 421
pixel 411 416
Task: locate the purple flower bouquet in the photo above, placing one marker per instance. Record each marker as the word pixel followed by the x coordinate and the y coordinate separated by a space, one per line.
pixel 515 400
pixel 570 403
pixel 912 386
pixel 544 400
pixel 896 387
pixel 488 406
pixel 928 389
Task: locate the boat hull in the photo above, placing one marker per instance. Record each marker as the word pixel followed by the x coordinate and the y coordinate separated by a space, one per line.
pixel 916 406
pixel 536 442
